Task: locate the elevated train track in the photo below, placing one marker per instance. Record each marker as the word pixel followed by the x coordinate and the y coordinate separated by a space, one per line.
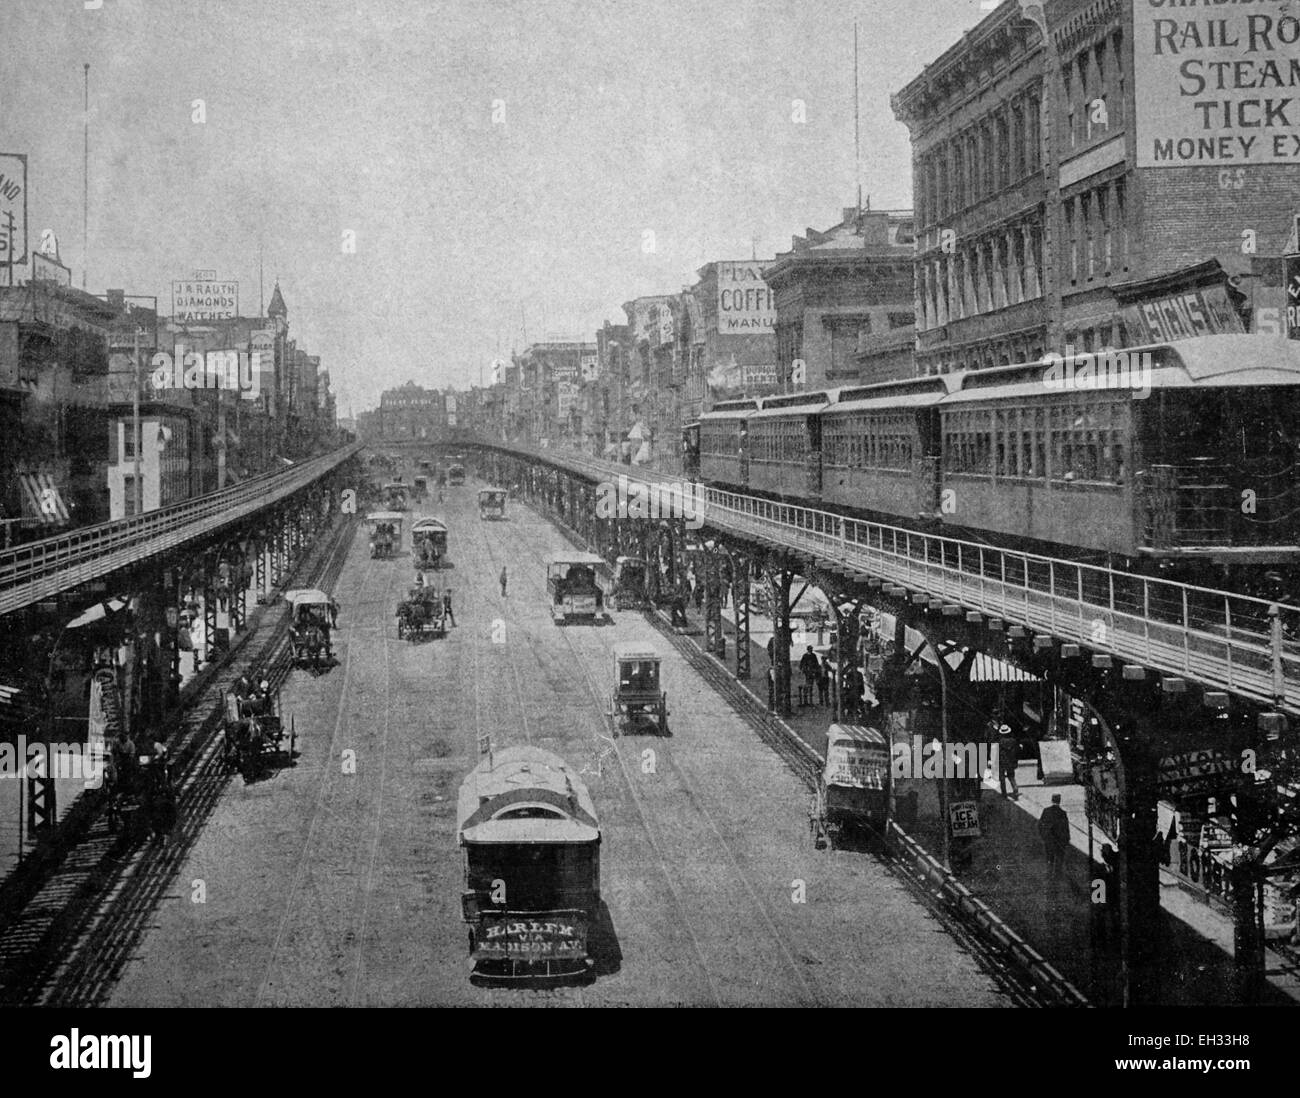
pixel 30 573
pixel 1223 640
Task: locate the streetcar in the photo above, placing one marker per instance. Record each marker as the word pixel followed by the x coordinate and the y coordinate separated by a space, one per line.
pixel 1146 457
pixel 420 488
pixel 429 543
pixel 576 585
pixel 456 475
pixel 853 789
pixel 385 533
pixel 530 839
pixel 492 503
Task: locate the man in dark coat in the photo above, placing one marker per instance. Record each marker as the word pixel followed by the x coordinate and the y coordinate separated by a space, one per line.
pixel 811 670
pixel 1054 830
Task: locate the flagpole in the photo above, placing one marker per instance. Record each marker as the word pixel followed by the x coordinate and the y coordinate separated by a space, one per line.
pixel 85 174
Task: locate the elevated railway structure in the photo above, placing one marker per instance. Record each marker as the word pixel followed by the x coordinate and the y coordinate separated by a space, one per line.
pixel 47 568
pixel 1180 683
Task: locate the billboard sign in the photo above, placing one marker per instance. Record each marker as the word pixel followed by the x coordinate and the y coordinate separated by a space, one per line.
pixel 194 300
pixel 1197 773
pixel 1211 89
pixel 46 268
pixel 13 205
pixel 745 304
pixel 1205 311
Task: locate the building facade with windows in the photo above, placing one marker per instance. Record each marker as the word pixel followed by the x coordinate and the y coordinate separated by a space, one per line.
pixel 410 412
pixel 836 288
pixel 1059 204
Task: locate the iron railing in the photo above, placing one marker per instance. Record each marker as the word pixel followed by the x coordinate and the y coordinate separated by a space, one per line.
pixel 31 572
pixel 1219 638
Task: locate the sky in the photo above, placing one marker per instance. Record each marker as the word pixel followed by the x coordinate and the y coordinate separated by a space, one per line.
pixel 613 120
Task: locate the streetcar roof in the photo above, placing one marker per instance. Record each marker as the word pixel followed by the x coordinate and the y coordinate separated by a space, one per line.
pixel 1200 362
pixel 430 524
pixel 491 492
pixel 307 596
pixel 794 404
pixel 590 559
pixel 386 516
pixel 635 650
pixel 742 411
pixel 397 484
pixel 850 734
pixel 523 777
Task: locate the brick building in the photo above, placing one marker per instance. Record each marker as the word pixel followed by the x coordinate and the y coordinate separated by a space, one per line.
pixel 836 288
pixel 1066 186
pixel 410 412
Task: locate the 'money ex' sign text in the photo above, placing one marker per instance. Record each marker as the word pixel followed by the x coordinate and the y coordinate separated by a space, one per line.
pixel 1217 84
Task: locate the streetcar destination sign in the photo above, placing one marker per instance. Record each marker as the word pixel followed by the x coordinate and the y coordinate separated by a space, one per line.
pixel 521 939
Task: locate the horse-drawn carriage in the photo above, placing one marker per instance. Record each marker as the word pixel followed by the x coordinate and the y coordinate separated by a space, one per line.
pixel 385 533
pixel 492 503
pixel 139 790
pixel 576 584
pixel 429 544
pixel 253 731
pixel 456 475
pixel 853 790
pixel 629 584
pixel 420 488
pixel 421 614
pixel 637 696
pixel 311 619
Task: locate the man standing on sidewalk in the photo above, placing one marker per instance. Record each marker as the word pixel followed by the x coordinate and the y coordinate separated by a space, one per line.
pixel 810 669
pixel 1054 830
pixel 1008 760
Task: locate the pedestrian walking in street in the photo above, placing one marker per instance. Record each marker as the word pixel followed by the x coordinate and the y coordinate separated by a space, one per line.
pixel 446 607
pixel 503 581
pixel 699 596
pixel 1054 830
pixel 1008 760
pixel 824 682
pixel 811 671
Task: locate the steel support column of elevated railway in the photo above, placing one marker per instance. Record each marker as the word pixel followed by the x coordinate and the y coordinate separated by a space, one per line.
pixel 1140 718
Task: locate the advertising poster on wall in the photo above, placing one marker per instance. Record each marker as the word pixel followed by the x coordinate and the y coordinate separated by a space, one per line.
pixel 1215 86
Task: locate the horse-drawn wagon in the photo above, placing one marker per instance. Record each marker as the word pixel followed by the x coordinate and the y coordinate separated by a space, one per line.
pixel 311 619
pixel 853 790
pixel 637 696
pixel 253 732
pixel 492 503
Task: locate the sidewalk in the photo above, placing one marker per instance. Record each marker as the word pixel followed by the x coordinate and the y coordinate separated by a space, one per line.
pixel 1007 870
